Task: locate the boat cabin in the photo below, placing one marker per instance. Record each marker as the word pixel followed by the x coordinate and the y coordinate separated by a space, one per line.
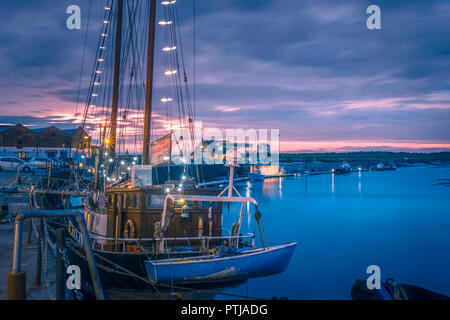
pixel 135 212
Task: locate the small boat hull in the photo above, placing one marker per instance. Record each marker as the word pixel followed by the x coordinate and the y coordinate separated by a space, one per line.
pixel 248 264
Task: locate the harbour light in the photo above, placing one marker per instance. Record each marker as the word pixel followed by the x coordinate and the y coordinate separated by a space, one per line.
pixel 166 100
pixel 166 3
pixel 170 72
pixel 164 23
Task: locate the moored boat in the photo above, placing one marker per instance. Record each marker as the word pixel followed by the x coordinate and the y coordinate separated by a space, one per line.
pixel 390 290
pixel 232 261
pixel 235 265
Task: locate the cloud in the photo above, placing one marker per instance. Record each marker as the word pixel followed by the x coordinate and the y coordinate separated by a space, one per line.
pixel 310 68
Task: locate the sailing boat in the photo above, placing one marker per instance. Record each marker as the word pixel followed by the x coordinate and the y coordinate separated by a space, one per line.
pixel 151 240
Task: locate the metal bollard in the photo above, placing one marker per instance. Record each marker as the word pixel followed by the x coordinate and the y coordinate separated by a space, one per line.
pixel 60 270
pixel 16 283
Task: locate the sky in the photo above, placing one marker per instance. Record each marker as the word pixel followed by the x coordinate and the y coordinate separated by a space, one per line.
pixel 310 68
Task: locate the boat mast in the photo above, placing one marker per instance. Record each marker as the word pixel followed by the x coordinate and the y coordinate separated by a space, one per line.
pixel 115 96
pixel 149 84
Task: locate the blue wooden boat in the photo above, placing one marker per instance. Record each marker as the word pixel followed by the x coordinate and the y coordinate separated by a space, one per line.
pixel 248 263
pixel 232 260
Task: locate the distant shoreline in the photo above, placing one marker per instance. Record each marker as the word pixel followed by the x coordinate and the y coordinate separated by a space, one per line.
pixel 372 156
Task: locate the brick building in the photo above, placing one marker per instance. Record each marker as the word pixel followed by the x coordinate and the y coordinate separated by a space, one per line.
pixel 24 142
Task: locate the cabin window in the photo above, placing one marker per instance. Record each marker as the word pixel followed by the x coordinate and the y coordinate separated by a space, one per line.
pixel 136 201
pixel 124 202
pixel 130 202
pixel 119 200
pixel 154 201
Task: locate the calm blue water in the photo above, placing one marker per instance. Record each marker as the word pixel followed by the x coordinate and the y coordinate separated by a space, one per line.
pixel 399 220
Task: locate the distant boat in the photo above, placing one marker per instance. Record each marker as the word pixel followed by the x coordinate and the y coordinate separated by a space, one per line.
pixel 390 290
pixel 384 167
pixel 345 168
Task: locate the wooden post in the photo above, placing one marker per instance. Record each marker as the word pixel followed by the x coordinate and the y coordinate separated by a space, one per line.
pixel 16 283
pixel 115 92
pixel 16 280
pixel 30 227
pixel 149 84
pixel 39 254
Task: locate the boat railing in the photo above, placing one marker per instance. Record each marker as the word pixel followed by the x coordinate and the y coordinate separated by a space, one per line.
pixel 146 245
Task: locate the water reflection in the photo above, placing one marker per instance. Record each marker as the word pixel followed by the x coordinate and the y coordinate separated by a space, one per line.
pixel 332 182
pixel 337 224
pixel 359 181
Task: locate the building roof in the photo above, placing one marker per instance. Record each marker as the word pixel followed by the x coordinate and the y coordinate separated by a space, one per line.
pixel 38 130
pixel 70 131
pixel 4 127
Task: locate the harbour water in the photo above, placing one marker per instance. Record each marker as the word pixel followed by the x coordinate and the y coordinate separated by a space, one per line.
pixel 398 220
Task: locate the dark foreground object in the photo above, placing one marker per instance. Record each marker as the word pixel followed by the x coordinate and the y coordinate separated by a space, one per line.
pixel 392 291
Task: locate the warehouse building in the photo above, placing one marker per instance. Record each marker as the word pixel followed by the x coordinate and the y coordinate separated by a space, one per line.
pixel 24 142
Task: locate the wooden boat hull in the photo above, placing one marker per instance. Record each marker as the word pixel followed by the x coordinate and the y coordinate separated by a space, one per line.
pixel 249 264
pixel 118 285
